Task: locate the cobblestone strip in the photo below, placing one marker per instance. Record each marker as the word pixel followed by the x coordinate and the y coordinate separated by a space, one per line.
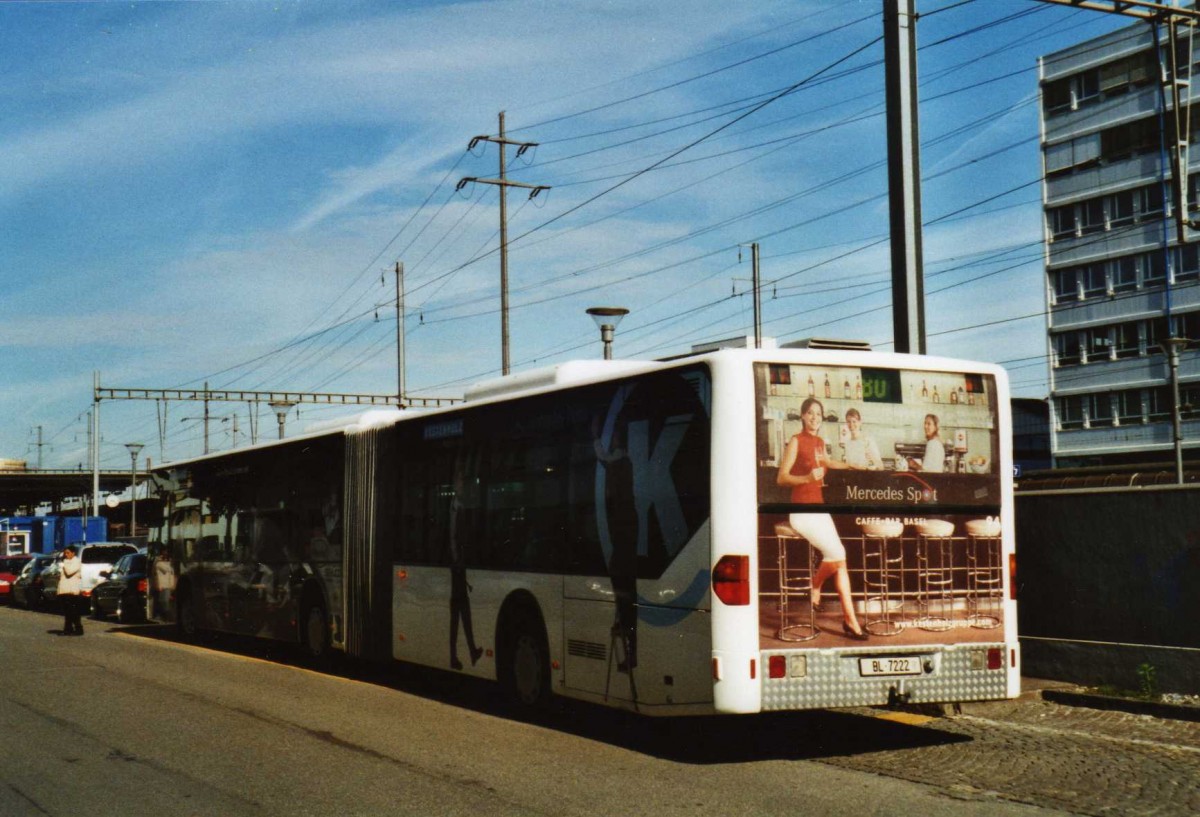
pixel 1089 763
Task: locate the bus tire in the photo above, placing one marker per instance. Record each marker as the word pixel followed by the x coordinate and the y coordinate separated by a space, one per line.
pixel 314 633
pixel 525 670
pixel 186 621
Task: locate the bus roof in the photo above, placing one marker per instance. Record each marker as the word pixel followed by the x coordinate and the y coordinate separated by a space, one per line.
pixel 581 372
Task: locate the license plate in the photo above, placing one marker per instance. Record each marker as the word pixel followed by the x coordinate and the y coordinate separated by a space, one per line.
pixel 901 665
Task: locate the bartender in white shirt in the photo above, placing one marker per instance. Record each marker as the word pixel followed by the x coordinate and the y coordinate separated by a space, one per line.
pixel 934 461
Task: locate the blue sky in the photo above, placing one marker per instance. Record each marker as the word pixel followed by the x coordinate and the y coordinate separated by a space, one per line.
pixel 216 192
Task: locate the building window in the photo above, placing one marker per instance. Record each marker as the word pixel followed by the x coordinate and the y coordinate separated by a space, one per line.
pixel 1129 406
pixel 1070 413
pixel 1150 200
pixel 1187 325
pixel 1189 400
pixel 1121 206
pixel 1094 280
pixel 1125 340
pixel 1160 406
pixel 1154 271
pixel 1066 348
pixel 1156 332
pixel 1091 216
pixel 1062 221
pixel 1188 268
pixel 1132 139
pixel 1099 409
pixel 1066 287
pixel 1097 344
pixel 1056 96
pixel 1124 274
pixel 1158 403
pixel 1087 87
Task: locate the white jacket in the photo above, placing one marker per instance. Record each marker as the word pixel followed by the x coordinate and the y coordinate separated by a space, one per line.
pixel 70 582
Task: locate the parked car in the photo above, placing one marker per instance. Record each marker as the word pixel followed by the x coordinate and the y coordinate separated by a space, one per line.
pixel 95 556
pixel 27 590
pixel 123 590
pixel 10 568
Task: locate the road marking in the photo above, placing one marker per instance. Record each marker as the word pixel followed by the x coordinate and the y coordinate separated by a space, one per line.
pixel 907 718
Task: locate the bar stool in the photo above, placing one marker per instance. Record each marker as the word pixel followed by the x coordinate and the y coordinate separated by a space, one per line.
pixel 984 575
pixel 881 544
pixel 795 579
pixel 935 575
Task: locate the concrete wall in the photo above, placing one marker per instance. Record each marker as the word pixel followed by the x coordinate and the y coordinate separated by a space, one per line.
pixel 1110 579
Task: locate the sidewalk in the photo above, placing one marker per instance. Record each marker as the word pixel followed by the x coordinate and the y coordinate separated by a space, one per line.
pixel 1069 694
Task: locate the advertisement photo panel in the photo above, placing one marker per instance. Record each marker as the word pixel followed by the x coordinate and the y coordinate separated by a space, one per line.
pixel 879 496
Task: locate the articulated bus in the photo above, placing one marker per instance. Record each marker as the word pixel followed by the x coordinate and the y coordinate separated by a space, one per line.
pixel 735 532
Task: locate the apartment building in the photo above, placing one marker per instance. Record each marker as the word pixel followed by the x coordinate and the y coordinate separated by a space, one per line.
pixel 1116 274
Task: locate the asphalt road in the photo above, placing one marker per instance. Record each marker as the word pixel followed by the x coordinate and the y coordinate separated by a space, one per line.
pixel 127 721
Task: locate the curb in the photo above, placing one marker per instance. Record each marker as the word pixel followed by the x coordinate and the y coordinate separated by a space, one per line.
pixel 1130 705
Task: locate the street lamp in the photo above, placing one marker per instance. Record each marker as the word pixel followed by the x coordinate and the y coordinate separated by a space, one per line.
pixel 281 409
pixel 134 450
pixel 607 318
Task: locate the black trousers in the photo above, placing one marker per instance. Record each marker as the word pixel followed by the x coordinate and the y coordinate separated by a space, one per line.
pixel 72 613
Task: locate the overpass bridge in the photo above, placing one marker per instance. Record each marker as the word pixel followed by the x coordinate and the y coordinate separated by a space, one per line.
pixel 31 487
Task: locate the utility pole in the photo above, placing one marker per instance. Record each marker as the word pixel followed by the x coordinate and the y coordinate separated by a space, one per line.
pixel 756 285
pixel 39 444
pixel 400 333
pixel 503 183
pixel 95 440
pixel 904 175
pixel 205 416
pixel 757 295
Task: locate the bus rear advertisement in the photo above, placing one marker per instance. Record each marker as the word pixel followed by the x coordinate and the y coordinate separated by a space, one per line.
pixel 734 532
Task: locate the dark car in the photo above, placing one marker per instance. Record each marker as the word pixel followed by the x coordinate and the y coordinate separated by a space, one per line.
pixel 27 590
pixel 10 568
pixel 122 592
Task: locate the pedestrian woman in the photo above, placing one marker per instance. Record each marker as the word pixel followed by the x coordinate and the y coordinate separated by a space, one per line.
pixel 70 585
pixel 803 470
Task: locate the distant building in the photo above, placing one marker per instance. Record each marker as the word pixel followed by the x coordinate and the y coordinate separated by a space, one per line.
pixel 1116 273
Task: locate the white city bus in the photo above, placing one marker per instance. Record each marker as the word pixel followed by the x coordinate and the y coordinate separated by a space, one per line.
pixel 630 533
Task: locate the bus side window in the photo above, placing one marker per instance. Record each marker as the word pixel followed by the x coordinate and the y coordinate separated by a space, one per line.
pixel 210 549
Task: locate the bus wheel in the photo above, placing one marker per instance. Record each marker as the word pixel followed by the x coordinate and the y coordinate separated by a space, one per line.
pixel 526 670
pixel 314 633
pixel 185 617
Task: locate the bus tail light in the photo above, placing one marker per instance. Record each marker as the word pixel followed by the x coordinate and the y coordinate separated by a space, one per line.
pixel 995 658
pixel 777 666
pixel 731 580
pixel 1012 576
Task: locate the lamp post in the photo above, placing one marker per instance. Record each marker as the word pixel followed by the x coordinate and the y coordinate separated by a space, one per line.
pixel 1173 346
pixel 281 409
pixel 607 318
pixel 134 450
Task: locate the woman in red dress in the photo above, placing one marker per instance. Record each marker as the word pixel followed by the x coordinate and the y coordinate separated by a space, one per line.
pixel 803 470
